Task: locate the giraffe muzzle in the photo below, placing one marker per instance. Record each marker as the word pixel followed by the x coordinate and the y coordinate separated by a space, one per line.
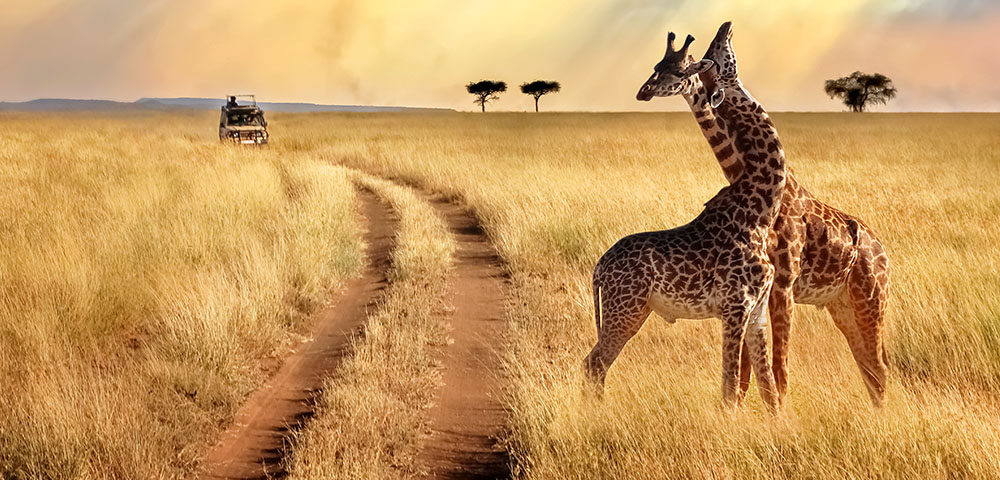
pixel 645 93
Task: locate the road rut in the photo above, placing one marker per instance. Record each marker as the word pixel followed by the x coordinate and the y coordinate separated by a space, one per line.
pixel 469 416
pixel 254 446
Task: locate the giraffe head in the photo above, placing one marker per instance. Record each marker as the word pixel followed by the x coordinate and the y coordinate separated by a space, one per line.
pixel 671 75
pixel 723 77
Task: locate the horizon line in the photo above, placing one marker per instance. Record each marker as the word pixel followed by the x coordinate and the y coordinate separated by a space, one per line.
pixel 418 107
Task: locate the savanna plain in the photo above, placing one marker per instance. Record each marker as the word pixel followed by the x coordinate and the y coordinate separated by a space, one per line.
pixel 151 277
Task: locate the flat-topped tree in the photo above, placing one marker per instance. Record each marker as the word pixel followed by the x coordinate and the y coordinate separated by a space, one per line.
pixel 859 89
pixel 538 88
pixel 486 91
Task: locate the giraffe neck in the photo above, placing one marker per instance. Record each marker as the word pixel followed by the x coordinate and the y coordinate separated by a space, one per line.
pixel 697 98
pixel 755 141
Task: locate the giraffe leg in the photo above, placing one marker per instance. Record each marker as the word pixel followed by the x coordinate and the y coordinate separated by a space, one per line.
pixel 868 359
pixel 618 325
pixel 735 332
pixel 756 342
pixel 869 287
pixel 745 369
pixel 786 269
pixel 780 312
pixel 787 259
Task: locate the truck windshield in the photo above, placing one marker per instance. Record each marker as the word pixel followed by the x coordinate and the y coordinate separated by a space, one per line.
pixel 245 119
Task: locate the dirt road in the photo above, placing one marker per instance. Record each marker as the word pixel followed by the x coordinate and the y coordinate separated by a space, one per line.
pixel 468 415
pixel 254 446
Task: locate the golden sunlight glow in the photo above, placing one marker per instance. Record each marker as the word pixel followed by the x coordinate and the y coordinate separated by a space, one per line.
pixel 391 52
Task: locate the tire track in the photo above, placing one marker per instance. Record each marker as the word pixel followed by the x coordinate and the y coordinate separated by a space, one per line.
pixel 468 415
pixel 254 446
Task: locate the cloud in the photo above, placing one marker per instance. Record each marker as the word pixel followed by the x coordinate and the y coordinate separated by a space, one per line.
pixel 941 10
pixel 422 53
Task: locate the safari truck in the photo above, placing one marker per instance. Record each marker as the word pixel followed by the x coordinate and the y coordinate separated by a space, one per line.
pixel 242 121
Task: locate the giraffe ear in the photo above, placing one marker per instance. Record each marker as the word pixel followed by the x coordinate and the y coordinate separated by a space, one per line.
pixel 717 97
pixel 696 68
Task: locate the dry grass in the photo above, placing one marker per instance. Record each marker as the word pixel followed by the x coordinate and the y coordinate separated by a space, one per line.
pixel 555 191
pixel 369 419
pixel 145 272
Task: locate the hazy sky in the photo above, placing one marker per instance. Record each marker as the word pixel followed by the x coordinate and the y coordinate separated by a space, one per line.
pixel 942 54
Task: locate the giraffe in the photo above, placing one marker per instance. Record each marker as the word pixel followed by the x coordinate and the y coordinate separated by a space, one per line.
pixel 714 266
pixel 821 255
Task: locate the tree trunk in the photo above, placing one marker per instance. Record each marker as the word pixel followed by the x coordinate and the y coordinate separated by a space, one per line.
pixel 536 104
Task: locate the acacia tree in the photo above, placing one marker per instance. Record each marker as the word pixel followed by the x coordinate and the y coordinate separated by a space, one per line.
pixel 486 91
pixel 538 88
pixel 859 89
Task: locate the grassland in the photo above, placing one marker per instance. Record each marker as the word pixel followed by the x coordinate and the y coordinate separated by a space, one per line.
pixel 145 274
pixel 554 191
pixel 134 276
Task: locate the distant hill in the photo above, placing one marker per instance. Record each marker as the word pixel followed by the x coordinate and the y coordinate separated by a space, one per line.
pixel 64 104
pixel 191 103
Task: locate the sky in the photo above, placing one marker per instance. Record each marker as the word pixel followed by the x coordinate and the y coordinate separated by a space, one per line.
pixel 943 55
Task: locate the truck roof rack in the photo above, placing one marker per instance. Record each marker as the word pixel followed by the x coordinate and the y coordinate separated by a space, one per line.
pixel 244 96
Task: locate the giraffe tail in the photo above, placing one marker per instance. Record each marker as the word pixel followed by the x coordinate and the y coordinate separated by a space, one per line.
pixel 854 228
pixel 598 309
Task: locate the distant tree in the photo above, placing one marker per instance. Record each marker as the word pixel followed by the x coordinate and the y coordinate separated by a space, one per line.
pixel 858 90
pixel 538 88
pixel 486 91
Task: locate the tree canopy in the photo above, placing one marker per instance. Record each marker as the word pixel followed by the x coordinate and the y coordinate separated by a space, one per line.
pixel 858 90
pixel 538 88
pixel 486 91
